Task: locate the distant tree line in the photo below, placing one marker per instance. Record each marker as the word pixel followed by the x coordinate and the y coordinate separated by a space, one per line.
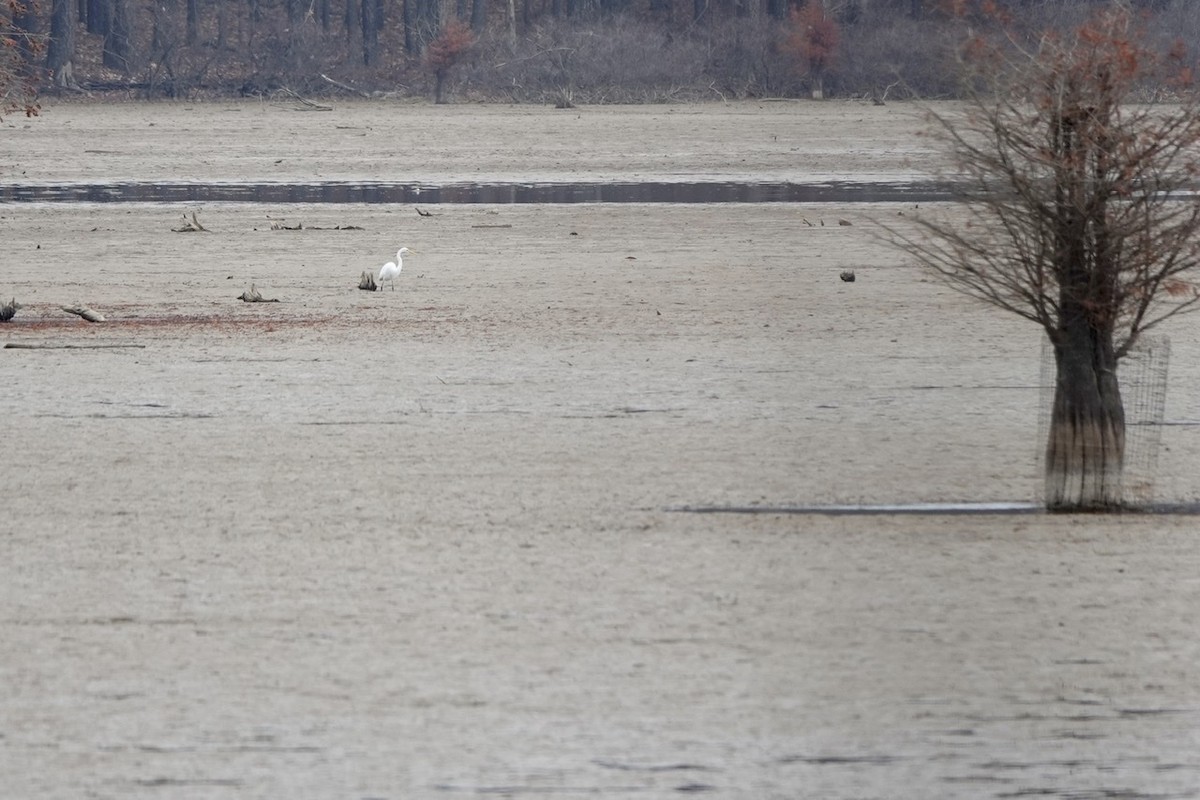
pixel 560 51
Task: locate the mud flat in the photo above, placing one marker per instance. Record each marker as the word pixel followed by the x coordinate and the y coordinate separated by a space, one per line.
pixel 427 543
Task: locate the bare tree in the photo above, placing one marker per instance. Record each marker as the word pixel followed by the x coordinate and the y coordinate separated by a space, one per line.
pixel 1074 155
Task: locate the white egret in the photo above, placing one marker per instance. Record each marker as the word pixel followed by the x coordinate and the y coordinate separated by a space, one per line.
pixel 390 271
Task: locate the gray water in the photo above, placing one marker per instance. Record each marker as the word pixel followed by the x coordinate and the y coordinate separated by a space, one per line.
pixel 475 193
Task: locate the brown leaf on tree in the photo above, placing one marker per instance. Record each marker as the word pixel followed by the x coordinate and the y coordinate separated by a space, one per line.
pixel 1178 288
pixel 444 52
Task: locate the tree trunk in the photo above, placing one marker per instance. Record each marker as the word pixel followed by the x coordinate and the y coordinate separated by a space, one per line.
pixel 1085 454
pixel 116 39
pixel 97 16
pixel 221 21
pixel 193 21
pixel 817 76
pixel 351 20
pixel 478 16
pixel 439 86
pixel 370 31
pixel 60 54
pixel 411 42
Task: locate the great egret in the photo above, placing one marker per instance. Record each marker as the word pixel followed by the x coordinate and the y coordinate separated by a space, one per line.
pixel 390 271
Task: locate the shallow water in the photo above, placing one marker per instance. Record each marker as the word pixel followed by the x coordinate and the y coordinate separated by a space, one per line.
pixel 477 193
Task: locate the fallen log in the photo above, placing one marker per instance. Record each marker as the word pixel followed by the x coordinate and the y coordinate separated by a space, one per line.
pixel 85 312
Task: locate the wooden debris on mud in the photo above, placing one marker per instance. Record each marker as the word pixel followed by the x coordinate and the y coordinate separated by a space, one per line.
pixel 421 213
pixel 253 295
pixel 8 310
pixel 85 312
pixel 344 86
pixel 190 225
pixel 305 104
pixel 366 282
pixel 280 225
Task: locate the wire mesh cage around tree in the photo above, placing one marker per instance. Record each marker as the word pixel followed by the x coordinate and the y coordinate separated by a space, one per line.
pixel 1142 374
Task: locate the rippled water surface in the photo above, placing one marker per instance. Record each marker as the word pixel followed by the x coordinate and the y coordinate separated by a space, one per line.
pixel 475 193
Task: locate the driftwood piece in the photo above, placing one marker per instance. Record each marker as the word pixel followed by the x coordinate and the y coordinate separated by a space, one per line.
pixel 344 86
pixel 85 312
pixel 366 282
pixel 190 225
pixel 253 295
pixel 306 105
pixel 280 225
pixel 8 310
pixel 423 213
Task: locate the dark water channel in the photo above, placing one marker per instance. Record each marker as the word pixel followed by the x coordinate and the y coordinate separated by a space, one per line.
pixel 474 193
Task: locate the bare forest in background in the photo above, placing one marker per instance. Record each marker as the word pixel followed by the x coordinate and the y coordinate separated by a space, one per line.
pixel 525 51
